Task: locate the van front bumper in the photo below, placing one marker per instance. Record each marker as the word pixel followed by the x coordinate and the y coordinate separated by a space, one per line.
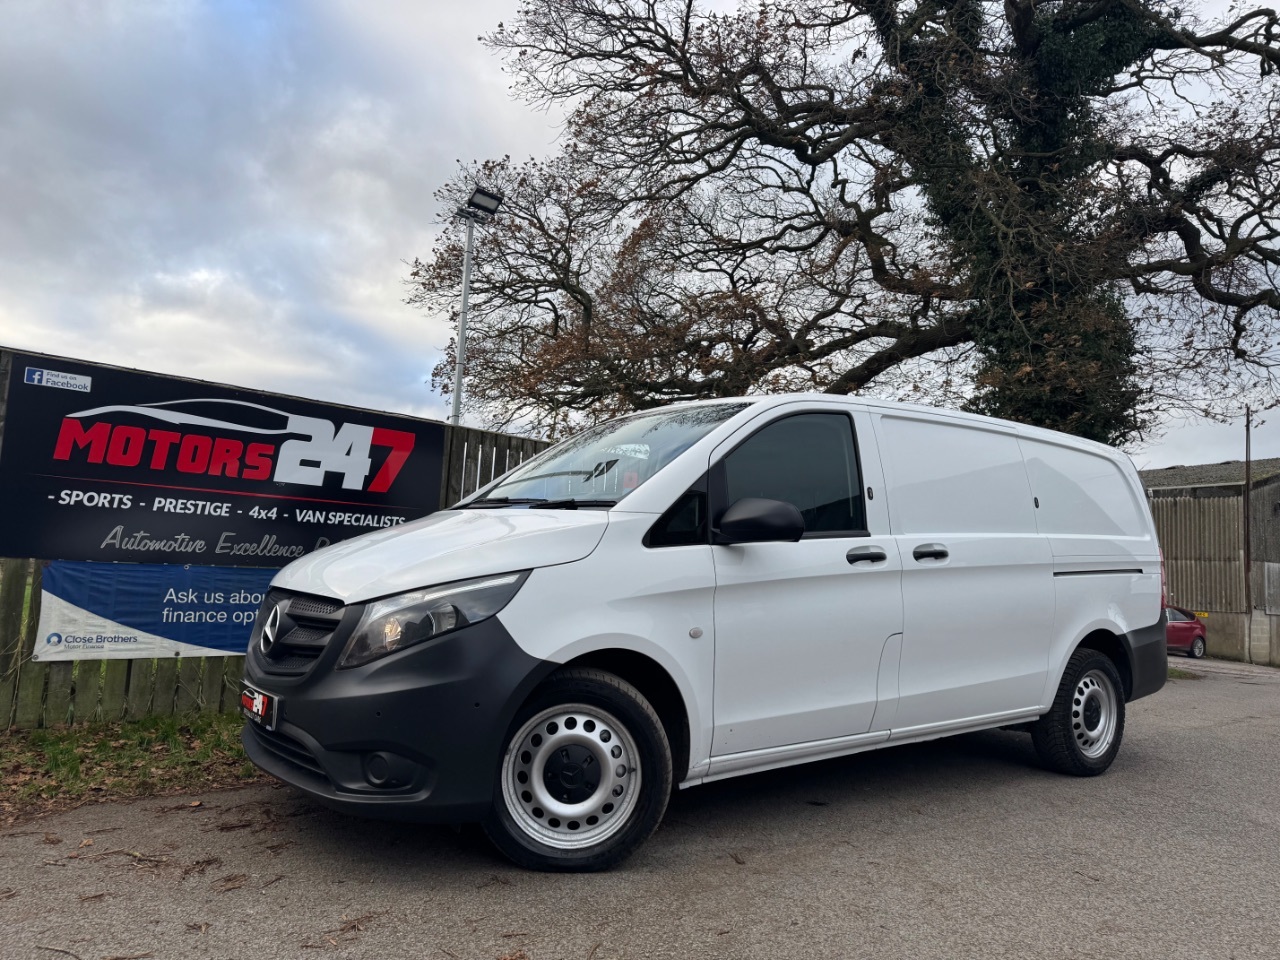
pixel 416 735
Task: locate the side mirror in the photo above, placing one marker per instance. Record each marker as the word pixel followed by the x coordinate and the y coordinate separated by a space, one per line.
pixel 757 520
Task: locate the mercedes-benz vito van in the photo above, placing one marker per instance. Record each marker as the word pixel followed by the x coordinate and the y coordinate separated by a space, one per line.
pixel 703 591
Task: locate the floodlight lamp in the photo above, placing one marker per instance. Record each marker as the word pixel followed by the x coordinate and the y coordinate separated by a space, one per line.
pixel 485 201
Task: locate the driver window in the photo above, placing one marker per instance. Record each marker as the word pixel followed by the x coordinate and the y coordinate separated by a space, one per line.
pixel 807 460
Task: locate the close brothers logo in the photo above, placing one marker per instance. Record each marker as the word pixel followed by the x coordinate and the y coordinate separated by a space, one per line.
pixel 100 639
pixel 195 442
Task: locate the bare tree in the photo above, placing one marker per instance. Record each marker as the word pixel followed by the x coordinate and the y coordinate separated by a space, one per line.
pixel 1060 212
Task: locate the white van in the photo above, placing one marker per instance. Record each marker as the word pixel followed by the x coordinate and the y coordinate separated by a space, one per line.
pixel 703 591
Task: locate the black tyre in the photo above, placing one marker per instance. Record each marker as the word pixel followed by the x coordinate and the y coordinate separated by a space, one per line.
pixel 1081 733
pixel 1197 648
pixel 584 777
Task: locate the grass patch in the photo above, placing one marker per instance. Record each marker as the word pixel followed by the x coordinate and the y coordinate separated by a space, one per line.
pixel 1177 673
pixel 46 770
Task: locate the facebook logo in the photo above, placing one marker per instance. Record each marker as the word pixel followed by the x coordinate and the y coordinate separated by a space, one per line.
pixel 54 378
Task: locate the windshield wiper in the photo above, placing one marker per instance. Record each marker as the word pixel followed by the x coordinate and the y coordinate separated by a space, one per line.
pixel 542 503
pixel 572 503
pixel 502 502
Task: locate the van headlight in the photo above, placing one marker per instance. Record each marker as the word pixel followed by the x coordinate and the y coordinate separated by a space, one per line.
pixel 393 623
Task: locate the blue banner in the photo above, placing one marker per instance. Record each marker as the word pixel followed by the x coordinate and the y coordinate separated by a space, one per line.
pixel 92 611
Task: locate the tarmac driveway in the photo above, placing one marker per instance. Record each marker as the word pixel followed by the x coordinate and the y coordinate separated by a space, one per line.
pixel 960 848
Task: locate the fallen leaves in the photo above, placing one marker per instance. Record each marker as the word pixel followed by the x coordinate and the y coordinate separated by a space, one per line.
pixel 233 881
pixel 200 866
pixel 57 769
pixel 191 807
pixel 357 924
pixel 347 931
pixel 141 861
pixel 65 953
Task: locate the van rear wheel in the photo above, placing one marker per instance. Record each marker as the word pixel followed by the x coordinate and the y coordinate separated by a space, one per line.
pixel 1081 733
pixel 584 777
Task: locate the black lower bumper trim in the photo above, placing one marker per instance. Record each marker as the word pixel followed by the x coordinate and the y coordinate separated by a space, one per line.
pixel 286 749
pixel 1148 658
pixel 416 735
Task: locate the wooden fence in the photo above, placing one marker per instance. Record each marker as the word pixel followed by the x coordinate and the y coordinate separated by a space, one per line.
pixel 37 694
pixel 474 457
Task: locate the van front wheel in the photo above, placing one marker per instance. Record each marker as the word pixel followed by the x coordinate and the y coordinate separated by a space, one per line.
pixel 584 777
pixel 1081 733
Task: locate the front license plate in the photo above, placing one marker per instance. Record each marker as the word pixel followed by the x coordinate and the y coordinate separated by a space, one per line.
pixel 258 706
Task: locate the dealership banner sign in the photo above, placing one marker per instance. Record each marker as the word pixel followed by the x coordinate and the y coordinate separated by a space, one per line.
pixel 104 464
pixel 124 611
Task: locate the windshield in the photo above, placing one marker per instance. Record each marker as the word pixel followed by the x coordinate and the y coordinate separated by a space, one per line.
pixel 607 462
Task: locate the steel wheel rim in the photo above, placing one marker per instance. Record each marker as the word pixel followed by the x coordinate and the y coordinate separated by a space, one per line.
pixel 571 776
pixel 1094 714
pixel 1197 647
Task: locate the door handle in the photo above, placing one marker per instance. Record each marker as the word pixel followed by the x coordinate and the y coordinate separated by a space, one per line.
pixel 930 551
pixel 866 555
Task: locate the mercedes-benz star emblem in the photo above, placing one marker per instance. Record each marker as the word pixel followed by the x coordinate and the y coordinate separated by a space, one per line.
pixel 270 628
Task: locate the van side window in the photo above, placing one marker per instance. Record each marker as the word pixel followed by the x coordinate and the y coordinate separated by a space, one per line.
pixel 808 460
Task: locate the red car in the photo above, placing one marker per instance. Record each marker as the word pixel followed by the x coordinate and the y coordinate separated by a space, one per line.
pixel 1184 632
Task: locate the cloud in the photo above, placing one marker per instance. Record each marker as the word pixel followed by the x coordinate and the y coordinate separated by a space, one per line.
pixel 228 190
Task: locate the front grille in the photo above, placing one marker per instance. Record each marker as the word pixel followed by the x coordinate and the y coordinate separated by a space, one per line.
pixel 316 606
pixel 289 666
pixel 291 751
pixel 307 625
pixel 309 637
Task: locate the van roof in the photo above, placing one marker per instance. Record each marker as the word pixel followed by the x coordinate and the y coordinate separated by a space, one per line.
pixel 1038 433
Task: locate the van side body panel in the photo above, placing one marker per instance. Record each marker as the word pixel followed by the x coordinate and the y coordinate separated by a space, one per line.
pixel 629 597
pixel 1106 560
pixel 977 621
pixel 800 627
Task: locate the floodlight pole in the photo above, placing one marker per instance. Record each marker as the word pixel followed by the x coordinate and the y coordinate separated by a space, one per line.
pixel 1248 534
pixel 462 319
pixel 481 205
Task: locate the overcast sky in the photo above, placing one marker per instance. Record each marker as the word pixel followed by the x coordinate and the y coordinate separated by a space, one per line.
pixel 227 190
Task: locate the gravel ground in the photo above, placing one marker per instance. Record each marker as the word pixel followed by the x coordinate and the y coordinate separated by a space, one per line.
pixel 959 848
